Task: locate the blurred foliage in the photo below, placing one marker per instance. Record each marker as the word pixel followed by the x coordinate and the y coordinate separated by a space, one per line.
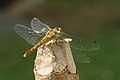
pixel 95 19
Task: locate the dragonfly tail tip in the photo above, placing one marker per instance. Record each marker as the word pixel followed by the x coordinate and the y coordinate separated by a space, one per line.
pixel 24 55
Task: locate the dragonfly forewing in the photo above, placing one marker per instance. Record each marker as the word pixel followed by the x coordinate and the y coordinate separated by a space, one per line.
pixel 38 26
pixel 82 43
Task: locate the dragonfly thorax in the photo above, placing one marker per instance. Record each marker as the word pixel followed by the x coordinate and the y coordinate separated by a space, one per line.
pixel 54 33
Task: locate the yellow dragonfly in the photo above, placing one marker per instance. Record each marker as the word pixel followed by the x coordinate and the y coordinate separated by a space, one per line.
pixel 40 33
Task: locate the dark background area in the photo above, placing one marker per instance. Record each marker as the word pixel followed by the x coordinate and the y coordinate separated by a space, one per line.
pixel 95 19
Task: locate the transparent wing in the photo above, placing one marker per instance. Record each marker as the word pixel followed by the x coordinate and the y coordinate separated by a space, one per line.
pixel 80 56
pixel 79 45
pixel 26 33
pixel 38 26
pixel 83 44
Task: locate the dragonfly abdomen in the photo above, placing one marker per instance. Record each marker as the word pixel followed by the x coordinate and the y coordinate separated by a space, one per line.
pixel 44 40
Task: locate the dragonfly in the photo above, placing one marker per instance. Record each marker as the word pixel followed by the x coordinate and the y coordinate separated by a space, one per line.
pixel 40 33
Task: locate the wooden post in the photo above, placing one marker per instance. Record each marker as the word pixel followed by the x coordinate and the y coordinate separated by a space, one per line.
pixel 54 61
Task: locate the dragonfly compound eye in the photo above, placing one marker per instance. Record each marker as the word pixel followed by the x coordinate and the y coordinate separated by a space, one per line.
pixel 59 29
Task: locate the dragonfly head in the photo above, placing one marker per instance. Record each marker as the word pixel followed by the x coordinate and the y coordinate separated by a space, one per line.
pixel 58 30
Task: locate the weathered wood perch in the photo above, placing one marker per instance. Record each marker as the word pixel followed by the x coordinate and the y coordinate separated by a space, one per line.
pixel 54 61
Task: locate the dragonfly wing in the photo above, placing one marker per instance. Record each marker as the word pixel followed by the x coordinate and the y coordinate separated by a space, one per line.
pixel 38 26
pixel 26 33
pixel 80 56
pixel 79 45
pixel 83 44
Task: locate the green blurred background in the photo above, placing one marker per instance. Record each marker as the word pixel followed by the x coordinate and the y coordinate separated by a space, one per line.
pixel 95 19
